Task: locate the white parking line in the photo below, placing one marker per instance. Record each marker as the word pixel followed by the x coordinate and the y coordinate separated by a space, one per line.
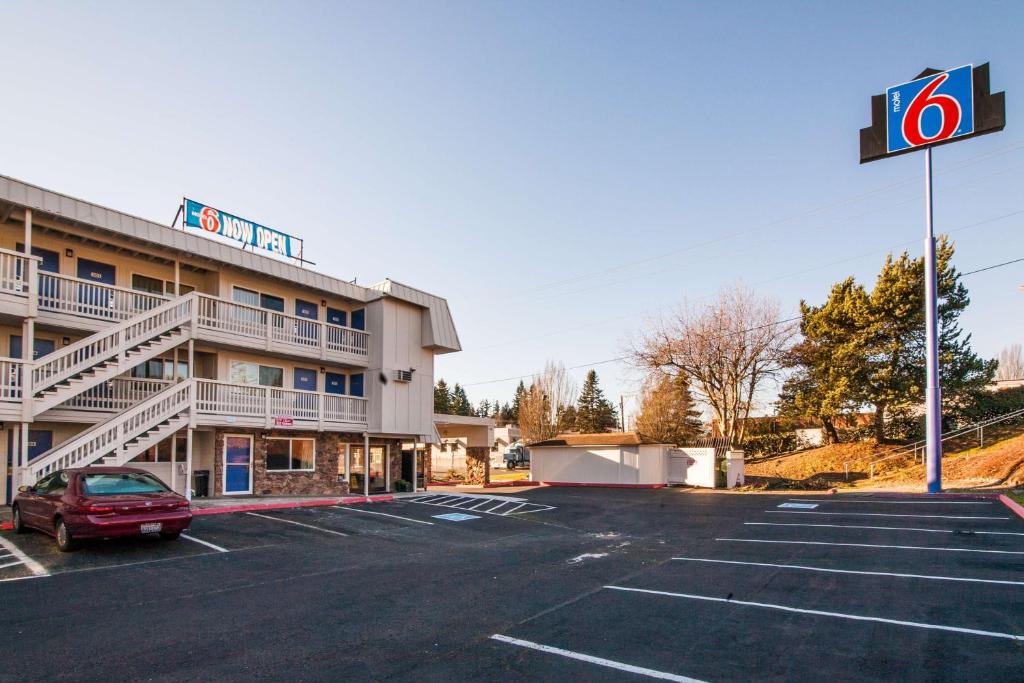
pixel 33 566
pixel 901 502
pixel 882 514
pixel 382 514
pixel 853 571
pixel 206 543
pixel 872 545
pixel 822 613
pixel 11 564
pixel 288 521
pixel 600 661
pixel 888 528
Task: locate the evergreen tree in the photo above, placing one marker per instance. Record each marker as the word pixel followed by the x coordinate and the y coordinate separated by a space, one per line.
pixel 507 414
pixel 520 391
pixel 442 398
pixel 566 419
pixel 594 413
pixel 460 404
pixel 667 412
pixel 484 410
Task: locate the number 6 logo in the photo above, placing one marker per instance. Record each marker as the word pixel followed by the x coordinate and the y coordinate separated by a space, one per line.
pixel 949 110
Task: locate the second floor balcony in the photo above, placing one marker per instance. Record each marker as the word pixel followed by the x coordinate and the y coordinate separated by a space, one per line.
pixel 216 403
pixel 72 303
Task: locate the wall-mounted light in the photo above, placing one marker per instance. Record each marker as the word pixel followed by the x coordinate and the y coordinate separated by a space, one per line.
pixel 65 340
pixel 69 252
pixel 322 369
pixel 323 302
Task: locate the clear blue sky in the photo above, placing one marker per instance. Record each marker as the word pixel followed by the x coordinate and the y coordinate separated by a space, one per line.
pixel 528 160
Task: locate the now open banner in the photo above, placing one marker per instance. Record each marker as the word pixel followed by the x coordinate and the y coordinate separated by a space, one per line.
pixel 218 222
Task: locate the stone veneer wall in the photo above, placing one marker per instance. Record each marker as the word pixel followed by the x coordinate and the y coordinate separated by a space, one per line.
pixel 478 465
pixel 324 480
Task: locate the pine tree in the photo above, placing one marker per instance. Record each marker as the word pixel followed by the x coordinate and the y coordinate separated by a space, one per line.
pixel 566 419
pixel 442 398
pixel 667 412
pixel 520 391
pixel 484 410
pixel 594 413
pixel 460 404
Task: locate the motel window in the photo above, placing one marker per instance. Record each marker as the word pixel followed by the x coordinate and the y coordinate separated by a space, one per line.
pixel 243 372
pixel 355 384
pixel 290 455
pixel 163 451
pixel 245 296
pixel 359 319
pixel 182 288
pixel 150 285
pixel 160 368
pixel 337 317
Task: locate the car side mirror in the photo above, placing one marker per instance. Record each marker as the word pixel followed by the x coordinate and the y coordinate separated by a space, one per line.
pixel 26 489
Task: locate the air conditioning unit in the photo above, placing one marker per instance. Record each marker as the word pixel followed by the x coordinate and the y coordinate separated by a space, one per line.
pixel 403 375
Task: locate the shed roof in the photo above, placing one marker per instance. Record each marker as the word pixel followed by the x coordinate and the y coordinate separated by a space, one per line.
pixel 601 439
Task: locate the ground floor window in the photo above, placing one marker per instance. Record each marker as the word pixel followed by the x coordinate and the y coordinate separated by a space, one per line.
pixel 358 469
pixel 164 451
pixel 291 455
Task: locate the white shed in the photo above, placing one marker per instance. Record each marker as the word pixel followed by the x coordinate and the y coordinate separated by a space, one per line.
pixel 619 459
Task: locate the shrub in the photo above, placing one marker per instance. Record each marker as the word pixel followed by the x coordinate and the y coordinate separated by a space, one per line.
pixel 771 444
pixel 402 486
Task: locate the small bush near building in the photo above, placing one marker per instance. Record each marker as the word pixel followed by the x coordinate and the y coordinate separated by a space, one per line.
pixel 402 486
pixel 771 444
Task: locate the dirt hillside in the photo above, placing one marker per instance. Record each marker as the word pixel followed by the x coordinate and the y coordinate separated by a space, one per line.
pixel 999 465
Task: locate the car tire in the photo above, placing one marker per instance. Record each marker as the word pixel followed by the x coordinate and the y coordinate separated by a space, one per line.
pixel 170 535
pixel 65 543
pixel 19 525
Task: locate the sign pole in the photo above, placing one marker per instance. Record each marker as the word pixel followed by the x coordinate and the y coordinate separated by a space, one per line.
pixel 933 391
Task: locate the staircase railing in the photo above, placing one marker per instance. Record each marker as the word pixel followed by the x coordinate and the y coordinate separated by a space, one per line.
pixel 108 344
pixel 120 393
pixel 109 436
pixel 77 296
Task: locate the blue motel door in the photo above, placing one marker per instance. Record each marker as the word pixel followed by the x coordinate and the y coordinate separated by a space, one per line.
pixel 237 465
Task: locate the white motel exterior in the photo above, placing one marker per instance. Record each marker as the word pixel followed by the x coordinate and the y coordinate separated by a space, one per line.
pixel 126 342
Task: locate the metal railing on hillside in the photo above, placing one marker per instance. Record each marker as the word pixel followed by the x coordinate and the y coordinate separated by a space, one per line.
pixel 917 448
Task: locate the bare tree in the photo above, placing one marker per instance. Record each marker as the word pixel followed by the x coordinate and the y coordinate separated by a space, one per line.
pixel 727 349
pixel 540 407
pixel 1011 363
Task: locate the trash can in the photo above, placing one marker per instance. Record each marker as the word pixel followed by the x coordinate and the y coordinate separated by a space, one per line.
pixel 202 483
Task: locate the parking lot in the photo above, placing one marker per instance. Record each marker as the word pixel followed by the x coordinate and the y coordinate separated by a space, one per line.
pixel 553 584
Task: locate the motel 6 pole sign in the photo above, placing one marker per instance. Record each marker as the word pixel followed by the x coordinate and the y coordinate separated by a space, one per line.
pixel 936 108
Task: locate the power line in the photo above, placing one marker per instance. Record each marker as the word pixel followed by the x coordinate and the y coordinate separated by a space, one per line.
pixel 750 329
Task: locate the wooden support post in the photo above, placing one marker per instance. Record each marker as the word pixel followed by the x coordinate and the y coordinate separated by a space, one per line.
pixel 188 463
pixel 366 463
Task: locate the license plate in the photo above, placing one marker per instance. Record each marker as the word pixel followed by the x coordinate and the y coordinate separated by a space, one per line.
pixel 151 527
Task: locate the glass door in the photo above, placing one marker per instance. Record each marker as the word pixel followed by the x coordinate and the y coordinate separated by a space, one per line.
pixel 378 479
pixel 237 465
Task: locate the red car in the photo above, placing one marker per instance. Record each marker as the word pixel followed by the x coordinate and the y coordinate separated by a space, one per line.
pixel 100 502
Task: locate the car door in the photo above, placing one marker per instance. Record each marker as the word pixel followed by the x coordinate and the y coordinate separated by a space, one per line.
pixel 32 504
pixel 51 498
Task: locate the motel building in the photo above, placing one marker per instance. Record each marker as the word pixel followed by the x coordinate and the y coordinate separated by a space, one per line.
pixel 126 342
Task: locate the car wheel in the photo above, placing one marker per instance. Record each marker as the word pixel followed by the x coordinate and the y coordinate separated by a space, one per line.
pixel 65 543
pixel 19 526
pixel 170 535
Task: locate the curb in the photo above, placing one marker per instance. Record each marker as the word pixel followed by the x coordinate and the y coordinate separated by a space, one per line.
pixel 6 526
pixel 570 484
pixel 1012 504
pixel 517 482
pixel 255 507
pixel 446 483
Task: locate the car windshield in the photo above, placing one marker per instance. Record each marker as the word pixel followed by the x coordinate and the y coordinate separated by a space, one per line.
pixel 111 483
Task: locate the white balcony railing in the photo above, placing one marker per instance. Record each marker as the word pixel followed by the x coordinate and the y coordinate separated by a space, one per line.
pixel 117 394
pixel 66 294
pixel 13 272
pixel 270 403
pixel 10 379
pixel 279 329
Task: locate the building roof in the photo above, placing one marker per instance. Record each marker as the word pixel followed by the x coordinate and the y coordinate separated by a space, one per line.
pixel 441 419
pixel 439 329
pixel 601 439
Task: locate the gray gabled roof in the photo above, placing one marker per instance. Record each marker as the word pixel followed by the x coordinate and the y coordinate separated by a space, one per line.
pixel 440 336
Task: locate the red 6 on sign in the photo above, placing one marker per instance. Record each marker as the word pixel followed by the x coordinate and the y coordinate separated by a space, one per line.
pixel 209 219
pixel 949 110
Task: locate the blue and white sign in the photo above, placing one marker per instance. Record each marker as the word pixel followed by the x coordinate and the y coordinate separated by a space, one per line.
pixel 224 224
pixel 931 109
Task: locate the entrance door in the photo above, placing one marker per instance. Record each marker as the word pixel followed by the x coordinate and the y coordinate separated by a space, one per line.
pixel 378 480
pixel 407 461
pixel 40 347
pixel 237 464
pixel 96 301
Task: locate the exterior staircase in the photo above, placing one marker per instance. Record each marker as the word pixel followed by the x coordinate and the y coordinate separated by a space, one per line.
pixel 74 369
pixel 125 435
